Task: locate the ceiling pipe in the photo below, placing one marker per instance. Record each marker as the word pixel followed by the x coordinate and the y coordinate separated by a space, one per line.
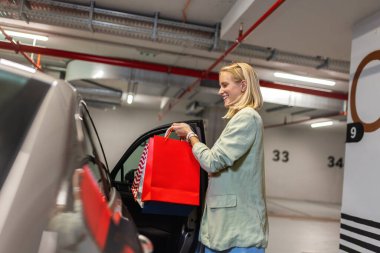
pixel 237 42
pixel 245 35
pixel 202 37
pixel 310 91
pixel 109 60
pixel 330 115
pixel 158 68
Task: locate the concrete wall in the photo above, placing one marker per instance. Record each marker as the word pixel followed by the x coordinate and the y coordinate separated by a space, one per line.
pixel 304 163
pixel 308 160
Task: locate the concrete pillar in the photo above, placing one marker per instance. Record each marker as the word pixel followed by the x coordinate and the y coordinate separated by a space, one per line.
pixel 360 222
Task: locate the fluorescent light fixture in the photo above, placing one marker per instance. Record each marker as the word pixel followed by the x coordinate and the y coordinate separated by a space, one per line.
pixel 304 78
pixel 99 74
pixel 17 65
pixel 26 35
pixel 164 101
pixel 275 95
pixel 321 124
pixel 129 99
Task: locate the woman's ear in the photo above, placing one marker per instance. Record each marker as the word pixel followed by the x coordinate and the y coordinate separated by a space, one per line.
pixel 243 85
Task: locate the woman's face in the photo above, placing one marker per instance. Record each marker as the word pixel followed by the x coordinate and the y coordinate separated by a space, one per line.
pixel 229 89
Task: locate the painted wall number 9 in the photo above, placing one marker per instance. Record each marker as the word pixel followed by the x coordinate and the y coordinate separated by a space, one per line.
pixel 355 132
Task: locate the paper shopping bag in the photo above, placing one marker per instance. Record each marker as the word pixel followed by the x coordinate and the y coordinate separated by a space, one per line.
pixel 139 177
pixel 172 174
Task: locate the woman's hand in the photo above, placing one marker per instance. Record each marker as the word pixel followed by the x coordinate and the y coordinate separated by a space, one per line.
pixel 181 129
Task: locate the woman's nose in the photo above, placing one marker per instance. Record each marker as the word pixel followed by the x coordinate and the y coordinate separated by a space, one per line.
pixel 220 91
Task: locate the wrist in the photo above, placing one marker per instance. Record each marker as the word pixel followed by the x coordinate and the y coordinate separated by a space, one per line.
pixel 189 135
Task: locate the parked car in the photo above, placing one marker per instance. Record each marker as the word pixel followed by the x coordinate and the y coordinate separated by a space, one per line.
pixel 57 193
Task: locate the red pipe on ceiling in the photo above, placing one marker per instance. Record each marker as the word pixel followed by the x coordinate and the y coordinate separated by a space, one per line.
pixel 156 67
pixel 108 60
pixel 245 35
pixel 217 61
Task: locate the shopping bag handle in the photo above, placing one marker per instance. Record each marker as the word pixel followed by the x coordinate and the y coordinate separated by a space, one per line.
pixel 168 132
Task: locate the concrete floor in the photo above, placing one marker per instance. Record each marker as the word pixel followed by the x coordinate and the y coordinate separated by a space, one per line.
pixel 303 227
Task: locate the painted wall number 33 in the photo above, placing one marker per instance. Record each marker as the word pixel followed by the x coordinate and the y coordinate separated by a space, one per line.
pixel 280 156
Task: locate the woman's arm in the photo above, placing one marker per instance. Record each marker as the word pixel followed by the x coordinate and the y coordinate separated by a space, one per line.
pixel 233 143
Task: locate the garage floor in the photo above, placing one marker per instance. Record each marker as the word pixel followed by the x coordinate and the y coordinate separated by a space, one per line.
pixel 303 227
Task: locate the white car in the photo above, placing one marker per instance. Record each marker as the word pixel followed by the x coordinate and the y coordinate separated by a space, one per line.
pixel 56 191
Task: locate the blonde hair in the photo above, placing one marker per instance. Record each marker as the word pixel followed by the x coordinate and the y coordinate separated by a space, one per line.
pixel 252 97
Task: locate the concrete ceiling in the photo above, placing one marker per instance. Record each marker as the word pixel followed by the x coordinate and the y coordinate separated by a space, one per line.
pixel 305 27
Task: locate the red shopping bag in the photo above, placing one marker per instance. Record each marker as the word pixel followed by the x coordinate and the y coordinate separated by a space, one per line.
pixel 172 174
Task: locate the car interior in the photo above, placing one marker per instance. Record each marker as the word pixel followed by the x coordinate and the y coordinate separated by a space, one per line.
pixel 171 232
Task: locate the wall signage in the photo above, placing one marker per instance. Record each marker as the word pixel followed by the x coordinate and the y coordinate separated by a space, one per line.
pixel 355 131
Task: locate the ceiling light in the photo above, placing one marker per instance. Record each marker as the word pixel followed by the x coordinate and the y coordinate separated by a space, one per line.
pixel 99 74
pixel 304 78
pixel 129 99
pixel 164 101
pixel 321 124
pixel 17 65
pixel 26 35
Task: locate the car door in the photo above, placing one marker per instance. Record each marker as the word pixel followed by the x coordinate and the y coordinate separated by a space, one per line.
pixel 168 233
pixel 112 228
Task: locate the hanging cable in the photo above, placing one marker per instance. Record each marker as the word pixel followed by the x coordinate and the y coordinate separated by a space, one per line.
pixel 184 16
pixel 16 47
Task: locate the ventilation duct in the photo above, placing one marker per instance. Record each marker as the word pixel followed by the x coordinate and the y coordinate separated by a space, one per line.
pixel 108 82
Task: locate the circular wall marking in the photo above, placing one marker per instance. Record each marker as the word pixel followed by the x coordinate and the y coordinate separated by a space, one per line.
pixel 368 127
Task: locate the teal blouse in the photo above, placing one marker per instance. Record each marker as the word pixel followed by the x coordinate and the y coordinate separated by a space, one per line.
pixel 235 211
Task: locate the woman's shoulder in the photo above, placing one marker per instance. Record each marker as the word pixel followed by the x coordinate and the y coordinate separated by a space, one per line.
pixel 245 116
pixel 248 111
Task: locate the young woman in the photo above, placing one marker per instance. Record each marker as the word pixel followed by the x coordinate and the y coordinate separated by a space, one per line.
pixel 235 217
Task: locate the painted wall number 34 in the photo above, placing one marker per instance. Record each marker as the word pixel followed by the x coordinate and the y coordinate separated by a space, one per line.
pixel 333 162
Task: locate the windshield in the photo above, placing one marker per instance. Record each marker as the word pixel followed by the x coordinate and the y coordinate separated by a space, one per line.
pixel 20 98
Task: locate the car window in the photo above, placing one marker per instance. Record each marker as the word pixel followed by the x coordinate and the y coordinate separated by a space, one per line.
pixel 94 136
pixel 94 152
pixel 130 165
pixel 20 99
pixel 11 85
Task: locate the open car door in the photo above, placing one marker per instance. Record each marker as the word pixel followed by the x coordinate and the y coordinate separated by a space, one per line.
pixel 168 233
